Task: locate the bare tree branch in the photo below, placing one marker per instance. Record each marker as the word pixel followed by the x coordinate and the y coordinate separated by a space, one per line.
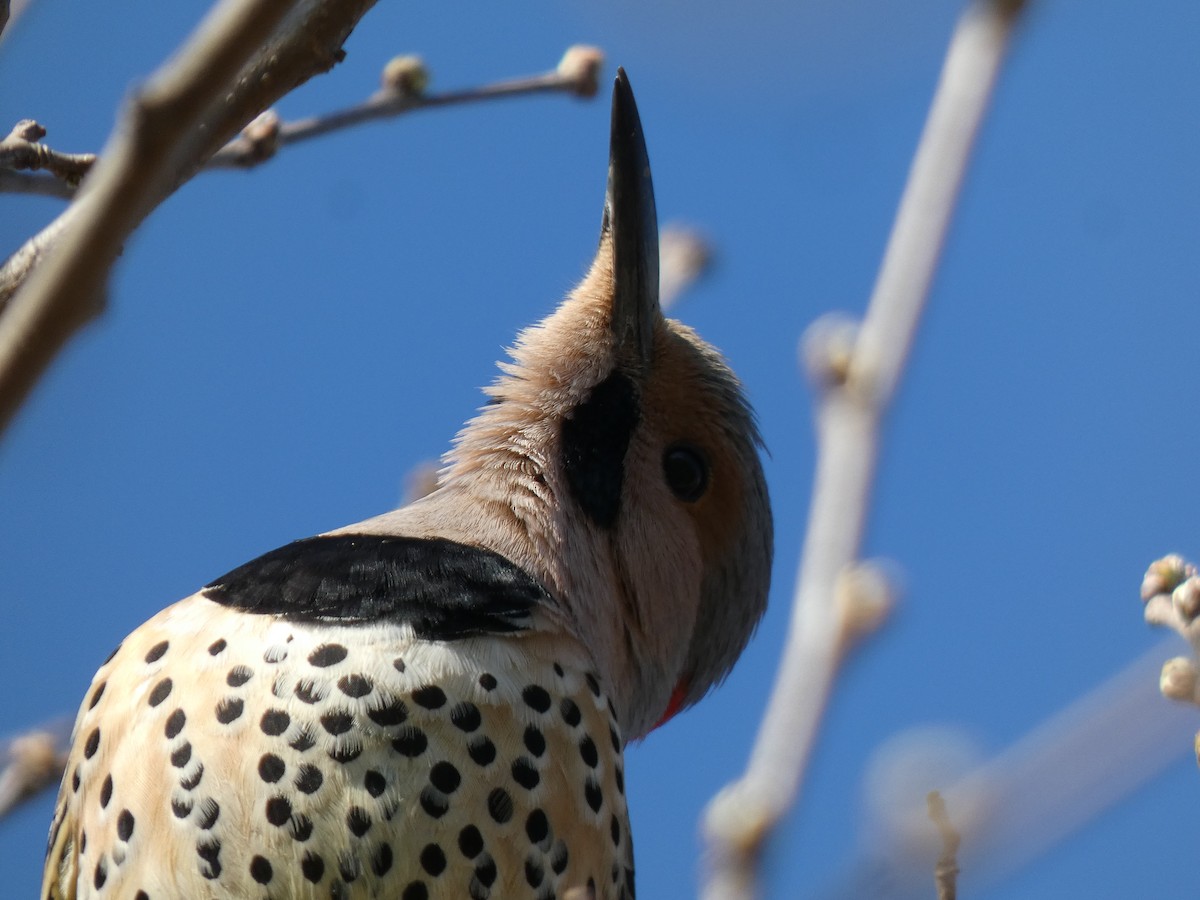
pixel 403 92
pixel 856 373
pixel 244 56
pixel 21 150
pixel 32 762
pixel 945 873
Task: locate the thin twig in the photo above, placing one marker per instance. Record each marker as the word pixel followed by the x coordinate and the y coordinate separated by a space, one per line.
pixel 237 62
pixel 577 74
pixel 32 762
pixel 856 375
pixel 21 150
pixel 1017 805
pixel 945 873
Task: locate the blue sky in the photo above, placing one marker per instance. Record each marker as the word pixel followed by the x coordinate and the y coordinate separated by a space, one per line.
pixel 283 345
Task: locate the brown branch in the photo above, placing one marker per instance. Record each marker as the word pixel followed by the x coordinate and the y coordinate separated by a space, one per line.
pixel 40 185
pixel 945 873
pixel 402 92
pixel 32 762
pixel 21 150
pixel 243 57
pixel 855 371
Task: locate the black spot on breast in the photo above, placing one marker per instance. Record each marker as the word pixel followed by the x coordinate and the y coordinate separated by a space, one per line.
pixel 433 860
pixel 97 694
pixel 303 740
pixel 358 821
pixel 535 741
pixel 106 792
pixel 346 753
pixel 481 750
pixel 125 823
pixel 217 646
pixel 466 717
pixel 161 691
pixel 327 655
pixel 238 676
pixel 182 755
pixel 588 752
pixel 381 861
pixel 595 439
pixel 275 722
pixel 559 857
pixel 307 692
pixel 485 870
pixel 339 721
pixel 101 875
pixel 156 652
pixel 593 794
pixel 431 697
pixel 175 723
pixel 308 779
pixel 191 781
pixel 614 829
pixel 375 783
pixel 313 867
pixel 500 805
pixel 524 773
pixel 410 741
pixel 445 777
pixel 229 709
pixel 415 890
pixel 91 744
pixel 181 808
pixel 434 802
pixel 260 870
pixel 487 681
pixel 444 590
pixel 355 686
pixel 279 810
pixel 470 842
pixel 394 713
pixel 209 850
pixel 210 811
pixel 570 712
pixel 536 697
pixel 270 768
pixel 534 873
pixel 537 827
pixel 302 828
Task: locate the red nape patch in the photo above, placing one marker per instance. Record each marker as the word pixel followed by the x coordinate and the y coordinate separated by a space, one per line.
pixel 674 704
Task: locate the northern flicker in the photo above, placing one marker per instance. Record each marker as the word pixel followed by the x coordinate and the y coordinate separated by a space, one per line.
pixel 433 703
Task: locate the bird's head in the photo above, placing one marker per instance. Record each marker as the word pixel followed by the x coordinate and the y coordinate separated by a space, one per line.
pixel 620 457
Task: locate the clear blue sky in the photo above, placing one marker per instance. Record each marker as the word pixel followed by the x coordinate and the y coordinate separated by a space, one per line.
pixel 283 345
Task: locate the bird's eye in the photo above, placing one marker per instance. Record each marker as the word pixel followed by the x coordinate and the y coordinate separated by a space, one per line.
pixel 687 472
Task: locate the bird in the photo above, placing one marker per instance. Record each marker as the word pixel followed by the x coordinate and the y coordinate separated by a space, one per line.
pixel 434 703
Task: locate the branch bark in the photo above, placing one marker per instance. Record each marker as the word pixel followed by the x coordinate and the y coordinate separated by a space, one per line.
pixel 856 371
pixel 244 56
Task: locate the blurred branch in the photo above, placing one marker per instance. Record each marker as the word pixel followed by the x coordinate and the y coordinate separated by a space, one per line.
pixel 245 55
pixel 1014 807
pixel 685 256
pixel 32 762
pixel 945 874
pixel 21 150
pixel 855 372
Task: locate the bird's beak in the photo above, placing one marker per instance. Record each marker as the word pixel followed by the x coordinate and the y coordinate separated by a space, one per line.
pixel 631 224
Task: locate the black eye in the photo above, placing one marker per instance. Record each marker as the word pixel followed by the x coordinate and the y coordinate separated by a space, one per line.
pixel 686 471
